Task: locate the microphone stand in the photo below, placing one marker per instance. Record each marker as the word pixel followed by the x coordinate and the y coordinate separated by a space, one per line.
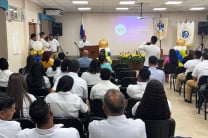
pixel 78 52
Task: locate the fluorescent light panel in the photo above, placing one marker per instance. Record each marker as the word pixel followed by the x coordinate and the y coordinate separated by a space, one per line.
pixel 174 2
pixel 84 9
pixel 159 9
pixel 122 9
pixel 197 8
pixel 127 2
pixel 80 2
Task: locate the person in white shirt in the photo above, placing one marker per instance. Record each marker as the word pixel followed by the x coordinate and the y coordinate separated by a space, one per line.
pixel 17 88
pixel 63 102
pixel 45 44
pixel 33 38
pixel 137 90
pixel 201 69
pixel 55 46
pixel 92 76
pixel 154 104
pixel 8 129
pixel 83 42
pixel 43 117
pixel 189 65
pixel 80 85
pixel 116 125
pixel 99 90
pixel 155 73
pixel 150 49
pixel 55 69
pixel 5 73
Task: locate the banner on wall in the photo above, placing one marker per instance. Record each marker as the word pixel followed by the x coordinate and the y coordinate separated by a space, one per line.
pixel 185 31
pixel 160 26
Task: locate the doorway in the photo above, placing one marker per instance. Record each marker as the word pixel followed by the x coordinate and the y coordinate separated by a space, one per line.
pixel 32 28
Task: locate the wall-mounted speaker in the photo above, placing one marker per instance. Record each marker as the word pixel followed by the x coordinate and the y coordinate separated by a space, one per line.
pixel 57 29
pixel 203 28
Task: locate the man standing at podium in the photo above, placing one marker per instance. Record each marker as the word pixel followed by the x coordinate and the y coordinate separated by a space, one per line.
pixel 83 42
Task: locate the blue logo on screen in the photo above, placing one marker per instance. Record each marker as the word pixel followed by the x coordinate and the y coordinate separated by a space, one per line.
pixel 120 29
pixel 185 34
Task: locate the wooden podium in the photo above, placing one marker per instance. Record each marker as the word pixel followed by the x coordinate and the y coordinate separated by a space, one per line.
pixel 93 51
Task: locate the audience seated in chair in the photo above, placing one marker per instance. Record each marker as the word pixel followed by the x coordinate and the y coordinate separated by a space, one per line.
pixel 155 73
pixel 92 76
pixel 43 117
pixel 17 88
pixel 98 91
pixel 80 85
pixel 61 56
pixel 170 64
pixel 56 68
pixel 64 69
pixel 104 63
pixel 154 104
pixel 64 103
pixel 116 125
pixel 29 63
pixel 137 90
pixel 201 69
pixel 189 65
pixel 46 60
pixel 8 129
pixel 4 73
pixel 36 79
pixel 84 61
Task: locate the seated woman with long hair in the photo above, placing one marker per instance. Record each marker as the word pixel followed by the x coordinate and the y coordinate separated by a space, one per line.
pixel 104 63
pixel 92 76
pixel 30 61
pixel 36 79
pixel 17 88
pixel 56 68
pixel 154 104
pixel 46 60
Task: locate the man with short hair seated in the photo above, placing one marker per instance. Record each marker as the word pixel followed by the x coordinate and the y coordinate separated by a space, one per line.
pixel 156 74
pixel 8 129
pixel 137 90
pixel 84 61
pixel 116 125
pixel 98 91
pixel 43 117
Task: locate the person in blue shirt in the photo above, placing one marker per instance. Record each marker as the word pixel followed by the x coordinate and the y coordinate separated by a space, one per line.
pixel 104 63
pixel 84 61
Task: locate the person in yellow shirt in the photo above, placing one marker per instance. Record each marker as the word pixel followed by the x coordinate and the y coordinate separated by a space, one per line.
pixel 46 60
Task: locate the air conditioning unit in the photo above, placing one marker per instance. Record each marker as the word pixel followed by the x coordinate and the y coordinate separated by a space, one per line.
pixel 54 12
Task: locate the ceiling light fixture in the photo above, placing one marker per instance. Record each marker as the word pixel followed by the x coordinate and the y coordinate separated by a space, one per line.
pixel 197 9
pixel 174 2
pixel 84 9
pixel 159 9
pixel 127 2
pixel 80 2
pixel 122 9
pixel 141 10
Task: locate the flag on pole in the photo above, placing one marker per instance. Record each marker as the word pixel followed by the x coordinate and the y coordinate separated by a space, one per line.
pixel 160 26
pixel 82 31
pixel 185 31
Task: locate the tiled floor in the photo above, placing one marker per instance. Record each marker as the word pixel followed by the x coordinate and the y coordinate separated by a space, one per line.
pixel 188 122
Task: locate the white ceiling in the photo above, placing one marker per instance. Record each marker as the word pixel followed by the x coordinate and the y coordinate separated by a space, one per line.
pixel 110 5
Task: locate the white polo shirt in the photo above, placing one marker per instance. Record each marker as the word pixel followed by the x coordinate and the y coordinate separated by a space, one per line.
pixel 65 104
pixel 79 87
pixel 51 73
pixel 4 77
pixel 190 64
pixel 117 127
pixel 9 129
pixel 90 78
pixel 99 90
pixel 82 44
pixel 26 105
pixel 59 75
pixel 150 50
pixel 54 45
pixel 200 69
pixel 54 132
pixel 45 45
pixel 137 90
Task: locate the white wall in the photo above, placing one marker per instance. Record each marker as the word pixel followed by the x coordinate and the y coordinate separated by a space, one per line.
pixel 99 26
pixel 22 31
